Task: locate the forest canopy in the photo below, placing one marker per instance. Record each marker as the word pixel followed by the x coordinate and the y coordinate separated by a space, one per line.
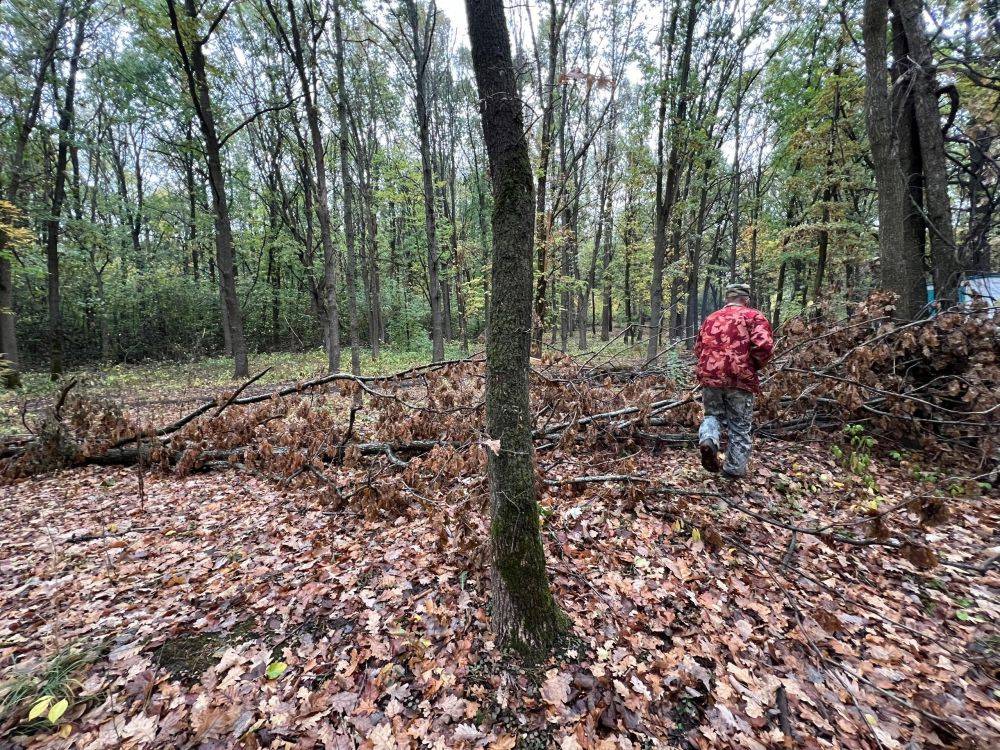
pixel 184 178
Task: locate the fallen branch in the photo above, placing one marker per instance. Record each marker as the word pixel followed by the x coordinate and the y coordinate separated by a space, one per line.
pixel 240 390
pixel 407 374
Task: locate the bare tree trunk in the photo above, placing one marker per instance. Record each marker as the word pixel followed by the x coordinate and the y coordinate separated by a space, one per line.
pixel 901 270
pixel 420 42
pixel 8 319
pixel 981 209
pixel 293 42
pixel 195 67
pixel 670 190
pixel 694 255
pixel 525 615
pixel 543 222
pixel 348 180
pixel 58 198
pixel 736 174
pixel 946 266
pixel 481 218
pixel 607 323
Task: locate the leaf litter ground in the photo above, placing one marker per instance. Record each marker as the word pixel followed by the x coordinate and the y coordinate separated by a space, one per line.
pixel 299 571
pixel 693 624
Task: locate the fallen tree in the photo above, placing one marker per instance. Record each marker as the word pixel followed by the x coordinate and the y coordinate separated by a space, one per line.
pixel 932 385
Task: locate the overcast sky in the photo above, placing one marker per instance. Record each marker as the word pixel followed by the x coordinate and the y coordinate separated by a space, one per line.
pixel 455 10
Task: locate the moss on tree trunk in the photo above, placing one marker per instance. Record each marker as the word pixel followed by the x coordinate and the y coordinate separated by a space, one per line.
pixel 525 615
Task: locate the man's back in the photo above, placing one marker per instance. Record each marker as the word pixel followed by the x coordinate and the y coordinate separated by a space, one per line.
pixel 733 344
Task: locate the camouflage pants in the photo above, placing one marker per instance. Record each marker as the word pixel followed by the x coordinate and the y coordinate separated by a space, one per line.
pixel 728 409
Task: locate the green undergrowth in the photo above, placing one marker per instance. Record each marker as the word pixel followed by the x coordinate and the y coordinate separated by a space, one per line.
pixel 35 698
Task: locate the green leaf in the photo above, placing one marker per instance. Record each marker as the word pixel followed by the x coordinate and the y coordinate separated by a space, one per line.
pixel 275 669
pixel 58 710
pixel 39 707
pixel 963 615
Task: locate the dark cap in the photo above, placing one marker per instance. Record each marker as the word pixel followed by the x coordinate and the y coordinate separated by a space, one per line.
pixel 738 290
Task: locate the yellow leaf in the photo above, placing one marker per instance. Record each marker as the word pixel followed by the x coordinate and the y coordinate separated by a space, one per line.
pixel 65 731
pixel 39 707
pixel 58 710
pixel 695 535
pixel 275 669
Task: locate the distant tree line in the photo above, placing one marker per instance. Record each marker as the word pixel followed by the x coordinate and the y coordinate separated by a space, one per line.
pixel 184 177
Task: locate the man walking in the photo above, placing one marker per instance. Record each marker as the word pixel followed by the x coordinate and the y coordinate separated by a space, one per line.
pixel 733 344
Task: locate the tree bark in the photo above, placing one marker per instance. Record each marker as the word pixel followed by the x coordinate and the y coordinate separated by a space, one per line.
pixel 981 208
pixel 421 41
pixel 829 189
pixel 195 70
pixel 58 198
pixel 8 318
pixel 543 222
pixel 348 180
pixel 666 204
pixel 946 266
pixel 900 266
pixel 525 615
pixel 328 307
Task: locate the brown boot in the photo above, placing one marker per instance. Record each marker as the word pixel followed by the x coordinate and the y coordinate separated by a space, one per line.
pixel 710 457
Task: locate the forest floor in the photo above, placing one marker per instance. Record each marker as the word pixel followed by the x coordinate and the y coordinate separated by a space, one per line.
pixel 225 609
pixel 169 387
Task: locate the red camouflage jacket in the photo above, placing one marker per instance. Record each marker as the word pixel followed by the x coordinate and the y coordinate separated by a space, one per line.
pixel 733 344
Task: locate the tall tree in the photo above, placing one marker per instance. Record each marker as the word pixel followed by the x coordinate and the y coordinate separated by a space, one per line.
pixel 667 196
pixel 525 614
pixel 420 40
pixel 25 121
pixel 191 48
pixel 543 220
pixel 946 266
pixel 300 43
pixel 348 187
pixel 53 226
pixel 901 267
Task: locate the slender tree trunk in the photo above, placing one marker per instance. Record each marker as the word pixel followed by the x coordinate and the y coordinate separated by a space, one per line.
pixel 192 208
pixel 525 615
pixel 980 209
pixel 603 224
pixel 420 42
pixel 195 69
pixel 779 292
pixel 8 319
pixel 483 232
pixel 694 257
pixel 736 174
pixel 348 180
pixel 329 307
pixel 670 190
pixel 58 198
pixel 607 322
pixel 457 261
pixel 543 222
